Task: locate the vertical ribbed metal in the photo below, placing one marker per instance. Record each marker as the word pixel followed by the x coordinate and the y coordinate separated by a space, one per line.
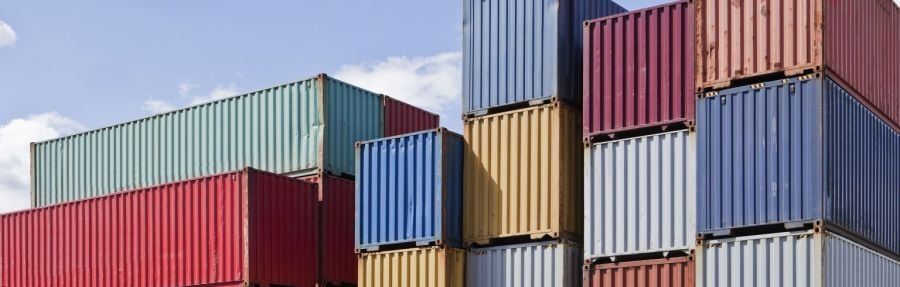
pixel 547 264
pixel 851 264
pixel 402 118
pixel 431 266
pixel 351 115
pixel 667 272
pixel 640 195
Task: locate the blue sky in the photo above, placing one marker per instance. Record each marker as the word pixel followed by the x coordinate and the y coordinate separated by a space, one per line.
pixel 67 66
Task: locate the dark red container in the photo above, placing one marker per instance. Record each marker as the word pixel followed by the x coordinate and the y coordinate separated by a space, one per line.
pixel 338 207
pixel 639 71
pixel 670 272
pixel 402 118
pixel 233 229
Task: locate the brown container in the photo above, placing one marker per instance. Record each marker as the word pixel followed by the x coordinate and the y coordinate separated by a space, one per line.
pixel 670 272
pixel 402 118
pixel 748 40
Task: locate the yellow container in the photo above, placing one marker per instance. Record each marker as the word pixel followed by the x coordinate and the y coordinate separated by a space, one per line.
pixel 429 266
pixel 523 175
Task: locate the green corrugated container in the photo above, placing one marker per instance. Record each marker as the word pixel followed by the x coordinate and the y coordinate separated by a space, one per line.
pixel 296 129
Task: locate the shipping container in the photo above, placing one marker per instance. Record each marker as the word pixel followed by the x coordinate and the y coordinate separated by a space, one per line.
pixel 416 267
pixel 793 151
pixel 745 39
pixel 521 51
pixel 542 264
pixel 640 196
pixel 231 229
pixel 284 129
pixel 336 209
pixel 409 190
pixel 797 259
pixel 402 118
pixel 639 71
pixel 523 175
pixel 668 272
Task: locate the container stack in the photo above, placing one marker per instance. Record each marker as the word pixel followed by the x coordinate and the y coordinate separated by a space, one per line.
pixel 521 112
pixel 408 210
pixel 798 143
pixel 639 148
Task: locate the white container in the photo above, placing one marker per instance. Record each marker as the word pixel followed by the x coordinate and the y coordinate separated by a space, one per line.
pixel 798 259
pixel 543 264
pixel 640 195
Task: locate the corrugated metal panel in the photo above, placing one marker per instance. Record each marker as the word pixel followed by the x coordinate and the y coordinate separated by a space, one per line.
pixel 546 264
pixel 639 69
pixel 523 174
pixel 669 272
pixel 640 195
pixel 431 266
pixel 337 202
pixel 797 259
pixel 402 118
pixel 279 129
pixel 187 233
pixel 409 190
pixel 777 151
pixel 523 50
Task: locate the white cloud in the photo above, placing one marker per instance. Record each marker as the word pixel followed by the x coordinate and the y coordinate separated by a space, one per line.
pixel 157 106
pixel 15 138
pixel 7 35
pixel 220 92
pixel 185 89
pixel 431 82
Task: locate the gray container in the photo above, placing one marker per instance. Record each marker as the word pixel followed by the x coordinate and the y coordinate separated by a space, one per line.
pixel 542 264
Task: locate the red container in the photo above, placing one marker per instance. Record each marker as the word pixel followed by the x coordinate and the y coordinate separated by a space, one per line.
pixel 338 207
pixel 402 118
pixel 639 71
pixel 234 229
pixel 671 272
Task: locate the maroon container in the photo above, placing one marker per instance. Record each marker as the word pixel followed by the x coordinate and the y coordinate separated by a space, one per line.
pixel 233 229
pixel 338 207
pixel 639 71
pixel 671 272
pixel 402 118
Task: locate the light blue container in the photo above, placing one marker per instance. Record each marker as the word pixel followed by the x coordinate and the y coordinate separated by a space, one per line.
pixel 409 191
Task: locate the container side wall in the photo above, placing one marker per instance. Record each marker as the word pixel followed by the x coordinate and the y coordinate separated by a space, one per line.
pixel 284 240
pixel 338 257
pixel 454 154
pixel 640 195
pixel 276 129
pixel 639 69
pixel 352 114
pixel 523 174
pixel 181 234
pixel 760 155
pixel 402 118
pixel 850 264
pixel 785 259
pixel 672 272
pixel 746 38
pixel 528 265
pixel 413 268
pixel 862 156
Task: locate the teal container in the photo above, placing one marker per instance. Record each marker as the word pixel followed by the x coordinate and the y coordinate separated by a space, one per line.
pixel 298 129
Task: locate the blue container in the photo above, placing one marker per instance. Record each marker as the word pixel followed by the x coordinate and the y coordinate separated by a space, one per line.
pixel 409 191
pixel 520 51
pixel 793 151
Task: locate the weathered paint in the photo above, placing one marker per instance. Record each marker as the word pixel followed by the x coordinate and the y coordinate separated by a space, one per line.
pixel 639 70
pixel 740 39
pixel 409 190
pixel 542 264
pixel 524 50
pixel 230 229
pixel 798 259
pixel 298 128
pixel 429 266
pixel 794 150
pixel 640 195
pixel 523 175
pixel 402 118
pixel 669 272
pixel 336 206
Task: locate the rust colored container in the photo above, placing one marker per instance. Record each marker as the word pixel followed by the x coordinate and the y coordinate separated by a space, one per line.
pixel 233 229
pixel 672 272
pixel 402 118
pixel 639 71
pixel 857 40
pixel 337 209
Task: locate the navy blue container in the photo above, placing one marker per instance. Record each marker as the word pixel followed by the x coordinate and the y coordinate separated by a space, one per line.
pixel 800 150
pixel 521 51
pixel 409 191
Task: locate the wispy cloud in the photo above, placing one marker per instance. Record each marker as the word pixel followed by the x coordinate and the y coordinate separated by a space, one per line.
pixel 218 93
pixel 186 90
pixel 157 106
pixel 7 35
pixel 15 138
